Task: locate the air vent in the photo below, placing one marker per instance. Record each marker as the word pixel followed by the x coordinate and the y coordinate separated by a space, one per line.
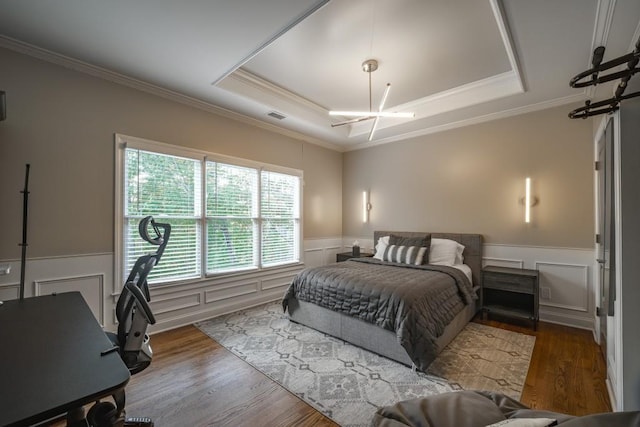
pixel 276 115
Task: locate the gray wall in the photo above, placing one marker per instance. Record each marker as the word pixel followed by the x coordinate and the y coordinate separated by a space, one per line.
pixel 471 179
pixel 63 122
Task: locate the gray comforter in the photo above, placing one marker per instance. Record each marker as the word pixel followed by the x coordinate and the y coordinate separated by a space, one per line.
pixel 417 302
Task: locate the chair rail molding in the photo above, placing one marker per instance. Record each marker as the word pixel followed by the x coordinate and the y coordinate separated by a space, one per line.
pixel 567 272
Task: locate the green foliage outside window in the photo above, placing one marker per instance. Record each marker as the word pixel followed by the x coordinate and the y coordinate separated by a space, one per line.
pixel 251 216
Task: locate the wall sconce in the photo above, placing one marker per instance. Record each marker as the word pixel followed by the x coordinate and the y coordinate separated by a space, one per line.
pixel 528 200
pixel 366 206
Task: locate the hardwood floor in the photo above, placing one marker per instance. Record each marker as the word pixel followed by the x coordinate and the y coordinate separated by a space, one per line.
pixel 193 381
pixel 567 371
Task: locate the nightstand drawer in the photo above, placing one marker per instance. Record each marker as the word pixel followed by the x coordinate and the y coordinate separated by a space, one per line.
pixel 509 283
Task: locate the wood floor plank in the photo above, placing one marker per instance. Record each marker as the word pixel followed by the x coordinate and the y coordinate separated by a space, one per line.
pixel 567 371
pixel 195 381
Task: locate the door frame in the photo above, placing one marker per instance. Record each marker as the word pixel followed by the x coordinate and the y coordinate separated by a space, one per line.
pixel 599 133
pixel 613 361
pixel 614 339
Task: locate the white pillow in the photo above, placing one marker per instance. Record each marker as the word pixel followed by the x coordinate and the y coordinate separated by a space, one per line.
pixel 381 247
pixel 445 252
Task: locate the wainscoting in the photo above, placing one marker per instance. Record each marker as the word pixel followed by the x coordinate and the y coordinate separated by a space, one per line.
pixel 92 275
pixel 567 294
pixel 173 305
pixel 566 278
pixel 567 274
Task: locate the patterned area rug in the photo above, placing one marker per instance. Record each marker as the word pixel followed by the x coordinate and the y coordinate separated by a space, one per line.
pixel 348 384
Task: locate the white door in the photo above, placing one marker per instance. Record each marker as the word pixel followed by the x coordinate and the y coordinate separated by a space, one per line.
pixel 605 243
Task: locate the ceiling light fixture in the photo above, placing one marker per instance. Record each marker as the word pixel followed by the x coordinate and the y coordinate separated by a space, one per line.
pixel 369 66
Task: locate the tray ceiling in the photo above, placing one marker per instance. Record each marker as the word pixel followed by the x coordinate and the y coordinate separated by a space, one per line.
pixel 451 62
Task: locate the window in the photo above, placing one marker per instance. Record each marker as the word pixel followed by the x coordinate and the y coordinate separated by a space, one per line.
pixel 227 215
pixel 166 187
pixel 232 226
pixel 279 197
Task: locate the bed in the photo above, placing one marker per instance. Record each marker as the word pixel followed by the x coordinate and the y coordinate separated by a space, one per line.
pixel 380 305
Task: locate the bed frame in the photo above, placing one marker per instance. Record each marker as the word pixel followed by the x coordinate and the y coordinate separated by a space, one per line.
pixel 381 341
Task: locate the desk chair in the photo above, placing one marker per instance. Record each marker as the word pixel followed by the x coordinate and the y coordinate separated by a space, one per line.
pixel 134 315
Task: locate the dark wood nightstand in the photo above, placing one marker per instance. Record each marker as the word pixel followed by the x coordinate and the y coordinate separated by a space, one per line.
pixel 343 256
pixel 511 292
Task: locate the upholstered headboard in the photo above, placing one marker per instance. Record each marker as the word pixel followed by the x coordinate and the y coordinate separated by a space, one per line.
pixel 472 247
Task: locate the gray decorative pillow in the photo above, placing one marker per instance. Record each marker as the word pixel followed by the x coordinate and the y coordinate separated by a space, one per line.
pixel 419 241
pixel 414 255
pixel 424 240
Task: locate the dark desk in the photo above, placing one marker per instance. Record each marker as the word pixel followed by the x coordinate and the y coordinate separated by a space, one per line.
pixel 50 359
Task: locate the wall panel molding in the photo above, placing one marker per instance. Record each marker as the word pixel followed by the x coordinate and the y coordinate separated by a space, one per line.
pixel 319 252
pixel 567 272
pixel 161 306
pixel 276 282
pixel 221 293
pixel 572 279
pixel 502 262
pixel 91 286
pixel 9 291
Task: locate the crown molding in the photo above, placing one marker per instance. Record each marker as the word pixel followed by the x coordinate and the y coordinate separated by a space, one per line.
pixel 507 40
pixel 121 79
pixel 485 90
pixel 601 29
pixel 317 6
pixel 472 121
pixel 245 78
pixel 634 39
pixel 501 85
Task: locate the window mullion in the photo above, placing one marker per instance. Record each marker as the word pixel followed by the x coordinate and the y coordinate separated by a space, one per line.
pixel 258 220
pixel 204 225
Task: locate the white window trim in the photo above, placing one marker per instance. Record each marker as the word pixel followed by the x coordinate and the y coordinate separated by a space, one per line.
pixel 121 142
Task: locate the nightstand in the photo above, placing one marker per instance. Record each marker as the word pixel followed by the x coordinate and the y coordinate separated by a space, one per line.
pixel 511 292
pixel 343 256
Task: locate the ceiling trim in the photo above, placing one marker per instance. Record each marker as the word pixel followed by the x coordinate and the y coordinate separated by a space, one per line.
pixel 478 92
pixel 244 77
pixel 249 85
pixel 472 121
pixel 272 97
pixel 602 26
pixel 103 73
pixel 266 44
pixel 634 39
pixel 507 40
pixel 489 89
pixel 601 29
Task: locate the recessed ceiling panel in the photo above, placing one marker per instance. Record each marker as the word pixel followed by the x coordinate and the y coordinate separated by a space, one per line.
pixel 423 48
pixel 179 45
pixel 451 62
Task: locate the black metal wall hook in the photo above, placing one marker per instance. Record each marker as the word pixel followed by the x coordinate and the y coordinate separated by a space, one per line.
pixel 631 59
pixel 608 105
pixel 602 107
